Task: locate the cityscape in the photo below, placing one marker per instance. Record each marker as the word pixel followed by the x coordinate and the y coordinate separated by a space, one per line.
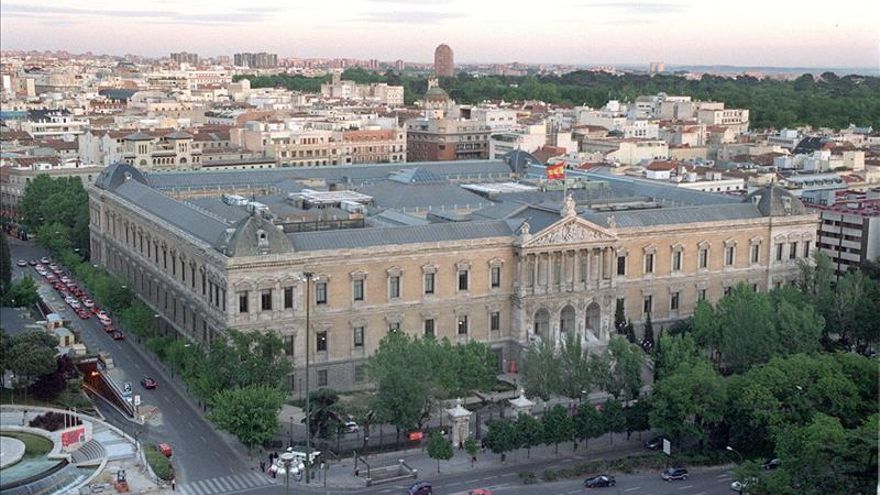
pixel 401 247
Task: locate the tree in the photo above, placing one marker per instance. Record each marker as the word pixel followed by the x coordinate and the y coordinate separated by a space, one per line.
pixel 798 325
pixel 687 401
pixel 476 368
pixel 540 372
pixel 470 446
pixel 557 426
pixel 250 413
pixel 674 352
pixel 31 355
pixel 439 448
pixel 574 365
pixel 637 417
pixel 588 423
pixel 620 319
pixel 5 264
pixel 529 432
pixel 324 411
pixel 613 418
pixel 502 437
pixel 626 373
pixel 648 340
pixel 21 294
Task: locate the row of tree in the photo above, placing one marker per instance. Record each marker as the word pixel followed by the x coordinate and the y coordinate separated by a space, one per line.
pixel 825 100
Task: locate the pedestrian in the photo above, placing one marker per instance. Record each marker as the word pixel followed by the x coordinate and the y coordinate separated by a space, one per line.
pixel 262 466
pixel 23 417
pixel 173 485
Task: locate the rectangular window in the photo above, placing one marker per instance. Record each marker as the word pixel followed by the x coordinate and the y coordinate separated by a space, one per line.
pixel 429 327
pixel 429 283
pixel 173 265
pixel 204 283
pixel 756 253
pixel 266 300
pixel 321 341
pixel 649 263
pixel 495 321
pixel 243 302
pixel 648 304
pixel 495 277
pixel 192 276
pixel 358 336
pixel 288 345
pixel 288 297
pixel 728 255
pixel 704 258
pixel 701 295
pixel 779 248
pixel 621 265
pixel 462 280
pixel 357 290
pixel 619 305
pixel 394 287
pixel 223 298
pixel 792 253
pixel 727 291
pixel 806 249
pixel 394 326
pixel 322 378
pixel 754 287
pixel 676 261
pixel 321 293
pixel 673 301
pixel 462 325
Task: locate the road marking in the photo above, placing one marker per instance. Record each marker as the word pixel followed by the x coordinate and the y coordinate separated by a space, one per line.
pixel 685 487
pixel 501 476
pixel 633 489
pixel 573 491
pixel 492 477
pixel 457 483
pixel 386 490
pixel 702 493
pixel 203 439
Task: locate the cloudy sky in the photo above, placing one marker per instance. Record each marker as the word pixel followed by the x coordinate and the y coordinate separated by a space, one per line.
pixel 842 33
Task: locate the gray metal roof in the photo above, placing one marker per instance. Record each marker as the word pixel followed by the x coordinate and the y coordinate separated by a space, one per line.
pixel 666 194
pixel 670 216
pixel 392 218
pixel 197 222
pixel 424 196
pixel 384 236
pixel 232 214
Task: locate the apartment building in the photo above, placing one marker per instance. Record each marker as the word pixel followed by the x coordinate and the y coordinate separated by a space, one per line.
pixel 446 139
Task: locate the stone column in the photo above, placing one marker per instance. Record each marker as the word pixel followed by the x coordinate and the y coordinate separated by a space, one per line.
pixel 535 272
pixel 521 404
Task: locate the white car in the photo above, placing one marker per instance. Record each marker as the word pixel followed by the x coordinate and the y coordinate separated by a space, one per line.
pixel 21 263
pixel 88 303
pixel 351 427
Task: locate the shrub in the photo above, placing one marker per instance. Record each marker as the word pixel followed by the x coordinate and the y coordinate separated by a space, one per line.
pixel 528 477
pixel 160 464
pixel 550 475
pixel 52 421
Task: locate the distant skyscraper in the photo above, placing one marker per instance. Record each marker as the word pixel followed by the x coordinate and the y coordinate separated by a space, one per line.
pixel 444 65
pixel 656 67
pixel 185 58
pixel 260 60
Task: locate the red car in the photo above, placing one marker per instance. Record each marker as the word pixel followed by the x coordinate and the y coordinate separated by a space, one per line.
pixel 83 314
pixel 117 335
pixel 164 449
pixel 149 383
pixel 109 328
pixel 95 310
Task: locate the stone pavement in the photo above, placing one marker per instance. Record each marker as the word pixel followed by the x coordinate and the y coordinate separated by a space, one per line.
pixel 11 451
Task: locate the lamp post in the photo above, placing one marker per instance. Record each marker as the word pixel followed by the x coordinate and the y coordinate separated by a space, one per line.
pixel 735 452
pixel 308 276
pixel 287 459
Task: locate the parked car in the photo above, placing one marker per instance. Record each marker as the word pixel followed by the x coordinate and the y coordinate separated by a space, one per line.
pixel 420 488
pixel 21 263
pixel 32 262
pixel 109 328
pixel 655 443
pixel 741 486
pixel 88 303
pixel 674 473
pixel 84 314
pixel 480 491
pixel 45 260
pixel 600 481
pixel 771 464
pixel 164 449
pixel 95 310
pixel 351 427
pixel 149 383
pixel 117 335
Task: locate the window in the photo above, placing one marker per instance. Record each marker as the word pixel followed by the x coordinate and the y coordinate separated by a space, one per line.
pixel 701 294
pixel 394 286
pixel 394 326
pixel 288 345
pixel 192 277
pixel 649 263
pixel 619 305
pixel 321 293
pixel 756 253
pixel 806 249
pixel 727 291
pixel 243 302
pixel 648 304
pixel 204 283
pixel 462 280
pixel 495 321
pixel 674 301
pixel 358 336
pixel 621 265
pixel 322 378
pixel 729 255
pixel 495 277
pixel 321 341
pixel 360 373
pixel 357 290
pixel 429 283
pixel 288 297
pixel 266 300
pixel 704 258
pixel 429 327
pixel 779 249
pixel 754 287
pixel 676 261
pixel 792 253
pixel 462 325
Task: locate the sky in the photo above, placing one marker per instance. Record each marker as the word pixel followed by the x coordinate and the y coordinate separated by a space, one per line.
pixel 781 33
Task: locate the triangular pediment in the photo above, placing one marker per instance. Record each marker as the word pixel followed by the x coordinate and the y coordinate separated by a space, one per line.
pixel 571 230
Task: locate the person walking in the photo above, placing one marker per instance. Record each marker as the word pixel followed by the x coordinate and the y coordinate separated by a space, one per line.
pixel 173 484
pixel 262 466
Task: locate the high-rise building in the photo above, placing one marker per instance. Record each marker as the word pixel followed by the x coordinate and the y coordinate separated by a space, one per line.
pixel 444 65
pixel 260 60
pixel 185 58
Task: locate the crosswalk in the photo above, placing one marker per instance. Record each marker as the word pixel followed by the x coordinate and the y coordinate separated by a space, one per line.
pixel 225 484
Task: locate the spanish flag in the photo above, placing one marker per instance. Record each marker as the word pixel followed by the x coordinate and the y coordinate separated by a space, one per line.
pixel 556 171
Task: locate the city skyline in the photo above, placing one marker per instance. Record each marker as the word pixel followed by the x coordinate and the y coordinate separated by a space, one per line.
pixel 600 32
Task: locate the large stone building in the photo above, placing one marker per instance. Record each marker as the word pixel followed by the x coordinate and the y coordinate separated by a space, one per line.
pixel 518 264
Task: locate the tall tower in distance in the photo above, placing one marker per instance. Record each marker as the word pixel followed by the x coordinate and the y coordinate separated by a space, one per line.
pixel 444 66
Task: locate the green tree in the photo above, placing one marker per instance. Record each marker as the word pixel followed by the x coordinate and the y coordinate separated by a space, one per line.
pixel 647 342
pixel 540 371
pixel 250 413
pixel 31 355
pixel 502 437
pixel 529 432
pixel 439 448
pixel 798 325
pixel 557 426
pixel 687 401
pixel 674 352
pixel 574 366
pixel 613 418
pixel 476 368
pixel 471 447
pixel 5 264
pixel 626 374
pixel 403 384
pixel 638 416
pixel 21 294
pixel 588 423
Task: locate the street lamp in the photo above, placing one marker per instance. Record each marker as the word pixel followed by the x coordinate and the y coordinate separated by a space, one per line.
pixel 308 276
pixel 287 459
pixel 735 452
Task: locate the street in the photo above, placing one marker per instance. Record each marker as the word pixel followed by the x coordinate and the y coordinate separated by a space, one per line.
pixel 201 455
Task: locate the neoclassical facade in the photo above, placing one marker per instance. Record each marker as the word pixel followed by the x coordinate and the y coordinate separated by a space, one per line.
pixel 507 275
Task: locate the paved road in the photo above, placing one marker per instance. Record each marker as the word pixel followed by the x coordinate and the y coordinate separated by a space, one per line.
pixel 200 453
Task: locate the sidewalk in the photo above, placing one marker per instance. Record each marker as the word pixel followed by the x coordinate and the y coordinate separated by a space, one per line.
pixel 340 475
